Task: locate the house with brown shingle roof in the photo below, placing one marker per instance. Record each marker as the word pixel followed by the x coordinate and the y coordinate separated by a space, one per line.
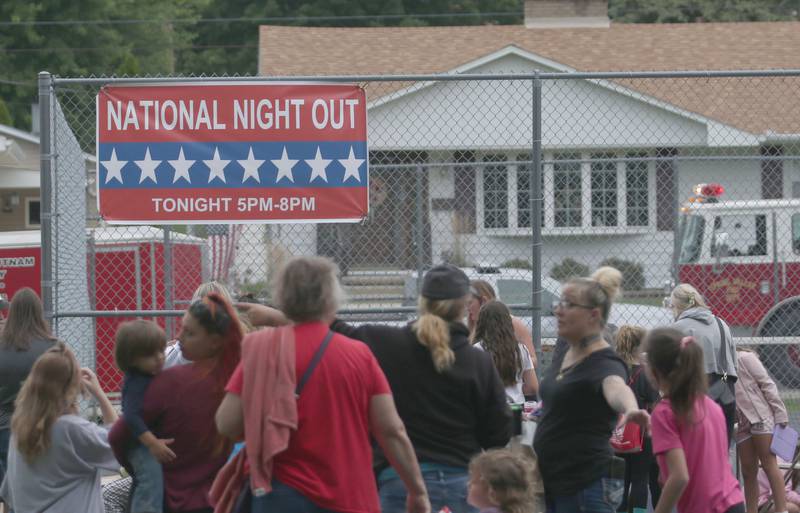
pixel 614 150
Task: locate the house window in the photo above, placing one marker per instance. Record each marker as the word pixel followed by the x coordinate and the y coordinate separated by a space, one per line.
pixel 636 191
pixel 495 192
pixel 771 172
pixel 604 190
pixel 465 191
pixel 666 176
pixel 579 190
pixel 567 190
pixel 32 213
pixel 524 191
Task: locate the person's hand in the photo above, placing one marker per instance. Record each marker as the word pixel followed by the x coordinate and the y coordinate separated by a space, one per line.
pixel 261 315
pixel 90 382
pixel 418 503
pixel 640 417
pixel 161 452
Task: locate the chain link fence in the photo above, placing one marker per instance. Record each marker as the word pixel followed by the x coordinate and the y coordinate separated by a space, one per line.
pixel 522 180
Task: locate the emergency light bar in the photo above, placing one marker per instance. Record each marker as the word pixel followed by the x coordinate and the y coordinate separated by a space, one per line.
pixel 709 190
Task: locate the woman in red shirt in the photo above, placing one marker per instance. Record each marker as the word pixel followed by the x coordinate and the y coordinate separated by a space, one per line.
pixel 327 466
pixel 181 401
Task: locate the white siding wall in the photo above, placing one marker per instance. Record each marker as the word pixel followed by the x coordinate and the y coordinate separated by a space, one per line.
pixel 497 115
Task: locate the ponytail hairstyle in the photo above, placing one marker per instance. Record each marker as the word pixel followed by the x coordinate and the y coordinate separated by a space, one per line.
pixel 433 328
pixel 496 334
pixel 599 290
pixel 629 340
pixel 217 317
pixel 684 296
pixel 50 390
pixel 677 364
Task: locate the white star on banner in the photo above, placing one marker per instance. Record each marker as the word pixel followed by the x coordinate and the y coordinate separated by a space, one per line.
pixel 181 166
pixel 217 167
pixel 251 166
pixel 114 167
pixel 318 166
pixel 351 165
pixel 284 165
pixel 148 167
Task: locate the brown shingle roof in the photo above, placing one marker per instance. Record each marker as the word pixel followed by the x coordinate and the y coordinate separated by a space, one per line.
pixel 756 105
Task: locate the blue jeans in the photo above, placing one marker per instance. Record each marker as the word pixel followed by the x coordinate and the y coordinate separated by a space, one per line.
pixel 447 486
pixel 284 498
pixel 148 481
pixel 602 496
pixel 5 437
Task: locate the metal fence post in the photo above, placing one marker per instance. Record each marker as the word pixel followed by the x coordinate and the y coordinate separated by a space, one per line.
pixel 676 222
pixel 419 211
pixel 168 279
pixel 536 205
pixel 46 188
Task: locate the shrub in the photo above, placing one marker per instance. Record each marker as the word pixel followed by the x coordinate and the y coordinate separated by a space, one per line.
pixel 567 269
pixel 632 272
pixel 517 263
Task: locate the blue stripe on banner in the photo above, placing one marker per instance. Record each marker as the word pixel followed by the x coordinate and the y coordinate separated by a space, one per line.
pixel 148 166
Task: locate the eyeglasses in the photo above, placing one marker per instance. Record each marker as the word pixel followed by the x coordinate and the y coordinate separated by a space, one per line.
pixel 564 304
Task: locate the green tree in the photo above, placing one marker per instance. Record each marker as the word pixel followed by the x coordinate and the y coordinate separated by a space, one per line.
pixel 98 48
pixel 692 11
pixel 232 47
pixel 5 115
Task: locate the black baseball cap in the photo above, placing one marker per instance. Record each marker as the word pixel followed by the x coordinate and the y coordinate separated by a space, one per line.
pixel 445 281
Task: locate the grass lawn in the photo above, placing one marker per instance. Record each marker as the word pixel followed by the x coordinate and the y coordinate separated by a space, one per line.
pixel 648 300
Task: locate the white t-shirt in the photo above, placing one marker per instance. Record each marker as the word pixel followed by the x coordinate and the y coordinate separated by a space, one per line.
pixel 514 392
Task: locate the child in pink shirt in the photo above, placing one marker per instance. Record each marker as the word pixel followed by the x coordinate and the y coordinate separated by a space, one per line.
pixel 689 435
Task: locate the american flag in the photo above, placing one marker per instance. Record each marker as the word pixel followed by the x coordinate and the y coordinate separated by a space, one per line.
pixel 222 240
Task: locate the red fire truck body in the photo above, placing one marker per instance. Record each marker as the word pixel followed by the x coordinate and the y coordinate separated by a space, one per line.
pixel 744 258
pixel 125 270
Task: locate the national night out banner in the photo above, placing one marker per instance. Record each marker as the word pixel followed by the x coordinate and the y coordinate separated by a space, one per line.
pixel 232 152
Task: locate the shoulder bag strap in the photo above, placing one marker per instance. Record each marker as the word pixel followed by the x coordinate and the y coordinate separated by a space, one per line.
pixel 724 347
pixel 313 364
pixel 634 376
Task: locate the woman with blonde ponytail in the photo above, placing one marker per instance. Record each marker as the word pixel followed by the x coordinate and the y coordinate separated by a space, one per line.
pixel 55 456
pixel 448 393
pixel 585 394
pixel 694 318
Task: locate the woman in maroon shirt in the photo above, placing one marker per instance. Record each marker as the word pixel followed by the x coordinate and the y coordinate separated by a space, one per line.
pixel 181 401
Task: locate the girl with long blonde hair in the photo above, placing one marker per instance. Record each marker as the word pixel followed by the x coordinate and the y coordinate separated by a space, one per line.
pixel 55 456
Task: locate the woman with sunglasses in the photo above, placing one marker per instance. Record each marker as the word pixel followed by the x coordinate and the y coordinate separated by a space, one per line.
pixel 181 402
pixel 584 392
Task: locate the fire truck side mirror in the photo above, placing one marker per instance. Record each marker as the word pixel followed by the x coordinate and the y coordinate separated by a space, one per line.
pixel 720 251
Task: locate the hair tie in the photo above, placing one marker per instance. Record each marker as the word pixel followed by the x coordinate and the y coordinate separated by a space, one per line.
pixel 685 341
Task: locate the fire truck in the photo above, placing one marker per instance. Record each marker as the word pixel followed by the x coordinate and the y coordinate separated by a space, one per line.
pixel 744 258
pixel 125 271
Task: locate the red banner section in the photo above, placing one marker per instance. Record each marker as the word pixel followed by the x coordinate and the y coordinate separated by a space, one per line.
pixel 211 153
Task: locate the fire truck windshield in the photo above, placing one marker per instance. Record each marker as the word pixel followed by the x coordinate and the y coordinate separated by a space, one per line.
pixel 692 240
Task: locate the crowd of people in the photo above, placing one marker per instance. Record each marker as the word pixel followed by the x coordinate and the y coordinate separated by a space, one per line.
pixel 262 409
